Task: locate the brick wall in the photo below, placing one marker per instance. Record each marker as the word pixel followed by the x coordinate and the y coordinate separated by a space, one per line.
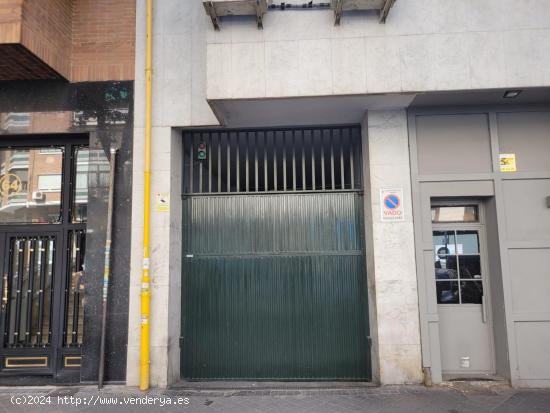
pixel 80 40
pixel 46 31
pixel 103 40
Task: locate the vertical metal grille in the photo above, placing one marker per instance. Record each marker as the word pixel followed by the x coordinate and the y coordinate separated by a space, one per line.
pixel 27 291
pixel 273 160
pixel 74 314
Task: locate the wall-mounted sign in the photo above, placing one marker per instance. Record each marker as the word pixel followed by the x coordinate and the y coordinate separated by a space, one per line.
pixel 391 205
pixel 508 162
pixel 162 202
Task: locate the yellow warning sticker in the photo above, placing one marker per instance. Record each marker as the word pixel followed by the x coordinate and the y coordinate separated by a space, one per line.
pixel 508 162
pixel 162 202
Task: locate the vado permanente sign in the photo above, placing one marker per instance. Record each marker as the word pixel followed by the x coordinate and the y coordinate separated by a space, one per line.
pixel 391 205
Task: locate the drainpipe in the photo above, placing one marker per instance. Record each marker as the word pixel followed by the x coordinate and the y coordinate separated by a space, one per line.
pixel 145 294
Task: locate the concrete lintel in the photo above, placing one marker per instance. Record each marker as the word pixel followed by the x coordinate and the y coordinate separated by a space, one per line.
pixel 304 111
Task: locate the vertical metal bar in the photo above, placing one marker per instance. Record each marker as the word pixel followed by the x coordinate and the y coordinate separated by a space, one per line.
pixel 351 166
pixel 265 162
pixel 273 136
pixel 191 178
pixel 284 161
pixel 43 266
pixel 458 271
pixel 28 324
pixel 303 161
pixel 219 162
pixel 293 143
pixel 256 177
pixel 52 272
pixel 20 253
pixel 183 166
pixel 7 293
pixel 323 175
pixel 332 159
pixel 210 164
pixel 342 174
pixel 228 162
pixel 200 176
pixel 313 184
pixel 247 168
pixel 80 259
pixel 66 294
pixel 237 163
pixel 78 265
pixel 74 255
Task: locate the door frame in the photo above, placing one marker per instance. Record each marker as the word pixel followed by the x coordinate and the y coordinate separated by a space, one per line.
pixel 57 370
pixel 480 227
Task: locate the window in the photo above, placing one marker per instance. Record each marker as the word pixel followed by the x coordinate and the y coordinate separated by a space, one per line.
pixel 468 213
pixel 457 263
pixel 30 185
pixel 49 183
pixel 80 187
pixel 52 150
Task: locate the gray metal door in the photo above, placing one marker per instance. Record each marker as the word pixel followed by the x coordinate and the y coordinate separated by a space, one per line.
pixel 462 290
pixel 274 280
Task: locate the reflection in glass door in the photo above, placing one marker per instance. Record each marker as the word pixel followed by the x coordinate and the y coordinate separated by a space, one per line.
pixel 458 272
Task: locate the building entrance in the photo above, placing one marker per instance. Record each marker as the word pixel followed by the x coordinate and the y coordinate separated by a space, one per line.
pixel 462 290
pixel 43 204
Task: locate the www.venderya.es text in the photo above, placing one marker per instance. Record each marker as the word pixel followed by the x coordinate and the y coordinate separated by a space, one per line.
pixel 98 400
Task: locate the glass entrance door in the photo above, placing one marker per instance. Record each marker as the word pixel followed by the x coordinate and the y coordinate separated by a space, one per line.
pixel 43 198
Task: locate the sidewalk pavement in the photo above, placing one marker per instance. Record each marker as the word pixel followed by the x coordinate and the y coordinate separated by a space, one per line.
pixel 458 397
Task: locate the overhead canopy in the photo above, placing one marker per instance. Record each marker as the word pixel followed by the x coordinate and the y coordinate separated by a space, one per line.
pixel 351 109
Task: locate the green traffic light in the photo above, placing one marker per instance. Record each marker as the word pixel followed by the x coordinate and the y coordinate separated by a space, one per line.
pixel 201 151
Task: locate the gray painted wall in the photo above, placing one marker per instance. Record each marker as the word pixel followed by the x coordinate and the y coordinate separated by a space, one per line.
pixel 455 153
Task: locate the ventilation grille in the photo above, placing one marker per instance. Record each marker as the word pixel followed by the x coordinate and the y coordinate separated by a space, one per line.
pixel 272 160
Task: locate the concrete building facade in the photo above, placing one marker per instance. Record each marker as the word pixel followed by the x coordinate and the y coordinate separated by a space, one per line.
pixel 446 95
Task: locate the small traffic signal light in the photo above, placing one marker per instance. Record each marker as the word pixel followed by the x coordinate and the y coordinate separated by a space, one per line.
pixel 201 151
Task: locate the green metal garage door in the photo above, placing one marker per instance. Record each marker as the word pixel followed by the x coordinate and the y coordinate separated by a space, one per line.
pixel 274 283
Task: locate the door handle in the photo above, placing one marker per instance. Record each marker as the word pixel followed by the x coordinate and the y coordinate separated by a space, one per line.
pixel 483 309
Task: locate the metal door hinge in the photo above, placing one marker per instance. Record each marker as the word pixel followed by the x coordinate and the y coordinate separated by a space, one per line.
pixel 181 342
pixel 369 340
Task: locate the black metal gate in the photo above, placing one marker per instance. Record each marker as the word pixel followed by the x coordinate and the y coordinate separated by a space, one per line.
pixel 274 277
pixel 43 197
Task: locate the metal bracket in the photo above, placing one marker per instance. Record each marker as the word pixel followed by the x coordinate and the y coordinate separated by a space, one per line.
pixel 213 16
pixel 338 12
pixel 339 6
pixel 259 16
pixel 384 11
